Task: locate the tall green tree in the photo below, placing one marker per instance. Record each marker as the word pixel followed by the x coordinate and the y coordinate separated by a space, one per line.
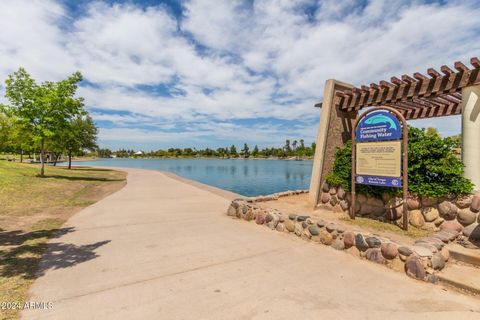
pixel 255 151
pixel 233 151
pixel 43 108
pixel 245 151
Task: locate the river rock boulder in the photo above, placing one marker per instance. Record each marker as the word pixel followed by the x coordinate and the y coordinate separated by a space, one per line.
pixel 447 210
pixel 463 201
pixel 430 214
pixel 414 268
pixel 451 225
pixel 341 193
pixel 413 203
pixel 416 218
pixel 389 250
pixel 325 197
pixel 466 216
pixel 429 202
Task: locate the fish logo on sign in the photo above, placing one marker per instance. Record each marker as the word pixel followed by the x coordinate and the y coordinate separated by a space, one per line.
pixel 378 126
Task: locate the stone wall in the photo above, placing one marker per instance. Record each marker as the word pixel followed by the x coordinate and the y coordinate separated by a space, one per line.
pixel 420 261
pixel 460 213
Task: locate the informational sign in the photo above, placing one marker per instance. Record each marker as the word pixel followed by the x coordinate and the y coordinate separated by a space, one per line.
pixel 379 163
pixel 379 150
pixel 378 126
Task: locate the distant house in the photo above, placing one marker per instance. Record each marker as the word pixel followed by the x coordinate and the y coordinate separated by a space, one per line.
pixel 139 153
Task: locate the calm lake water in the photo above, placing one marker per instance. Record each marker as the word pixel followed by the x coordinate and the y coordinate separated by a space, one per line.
pixel 245 177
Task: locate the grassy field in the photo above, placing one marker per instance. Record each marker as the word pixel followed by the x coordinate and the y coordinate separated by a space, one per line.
pixel 33 210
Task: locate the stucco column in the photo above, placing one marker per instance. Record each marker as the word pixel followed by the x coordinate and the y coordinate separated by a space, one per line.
pixel 471 133
pixel 334 130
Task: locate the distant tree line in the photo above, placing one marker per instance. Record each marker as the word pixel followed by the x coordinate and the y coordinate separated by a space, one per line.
pixel 290 149
pixel 45 117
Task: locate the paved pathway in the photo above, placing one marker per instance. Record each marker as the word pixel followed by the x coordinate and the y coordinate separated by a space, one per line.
pixel 163 249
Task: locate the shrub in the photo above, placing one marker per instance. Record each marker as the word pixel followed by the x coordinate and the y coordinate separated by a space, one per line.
pixel 433 168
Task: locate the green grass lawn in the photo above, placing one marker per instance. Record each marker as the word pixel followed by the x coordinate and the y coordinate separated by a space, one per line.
pixel 33 210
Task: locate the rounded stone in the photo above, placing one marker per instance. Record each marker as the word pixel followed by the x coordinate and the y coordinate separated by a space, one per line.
pixel 341 193
pixel 389 250
pixel 360 242
pixel 349 239
pixel 413 203
pixel 305 224
pixel 353 251
pixel 416 218
pixel 366 209
pixel 466 216
pixel 321 223
pixel 325 187
pixel 475 206
pixel 298 229
pixel 373 242
pixel 268 218
pixel 422 251
pixel 427 245
pixel 438 261
pixel 430 214
pixel 290 225
pixel 472 232
pixel 451 225
pixel 344 205
pixel 280 227
pixel 302 218
pixel 232 211
pixel 330 227
pixel 260 219
pixel 394 213
pixel 338 244
pixel 325 237
pixel 292 216
pixel 340 228
pixel 375 255
pixel 332 191
pixel 464 201
pixel 414 268
pixel 378 211
pixel 429 202
pixel 445 253
pixel 325 197
pixel 313 230
pixel 405 251
pixel 333 200
pixel 447 210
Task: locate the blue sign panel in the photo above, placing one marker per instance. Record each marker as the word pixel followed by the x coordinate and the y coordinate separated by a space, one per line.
pixel 378 126
pixel 379 181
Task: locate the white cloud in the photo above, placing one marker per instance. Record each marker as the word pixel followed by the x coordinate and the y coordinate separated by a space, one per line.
pixel 229 60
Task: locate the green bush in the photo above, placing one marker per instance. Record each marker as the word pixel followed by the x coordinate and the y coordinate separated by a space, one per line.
pixel 433 168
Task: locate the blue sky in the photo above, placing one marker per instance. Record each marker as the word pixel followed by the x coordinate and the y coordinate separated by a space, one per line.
pixel 200 73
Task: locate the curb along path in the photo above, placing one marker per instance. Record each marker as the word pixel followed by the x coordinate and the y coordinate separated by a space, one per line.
pixel 162 248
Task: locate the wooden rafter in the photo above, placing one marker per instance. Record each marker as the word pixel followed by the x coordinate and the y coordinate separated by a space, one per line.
pixel 418 96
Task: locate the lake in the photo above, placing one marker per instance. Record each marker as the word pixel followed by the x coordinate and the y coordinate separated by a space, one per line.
pixel 245 177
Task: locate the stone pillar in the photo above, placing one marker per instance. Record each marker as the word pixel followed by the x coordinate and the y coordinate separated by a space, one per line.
pixel 334 130
pixel 471 133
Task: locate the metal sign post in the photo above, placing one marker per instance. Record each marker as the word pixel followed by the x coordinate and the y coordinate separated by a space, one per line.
pixel 380 140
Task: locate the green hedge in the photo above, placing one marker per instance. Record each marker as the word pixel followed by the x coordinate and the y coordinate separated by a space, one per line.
pixel 433 168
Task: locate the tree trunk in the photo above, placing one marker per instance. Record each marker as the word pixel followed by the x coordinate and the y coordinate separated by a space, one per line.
pixel 21 156
pixel 55 160
pixel 42 158
pixel 69 159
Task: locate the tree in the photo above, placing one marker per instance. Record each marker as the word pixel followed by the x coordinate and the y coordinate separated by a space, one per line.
pixel 233 151
pixel 294 144
pixel 43 108
pixel 432 132
pixel 287 147
pixel 245 151
pixel 255 151
pixel 79 135
pixel 302 144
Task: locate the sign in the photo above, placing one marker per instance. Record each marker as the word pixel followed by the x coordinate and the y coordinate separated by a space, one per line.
pixel 379 158
pixel 378 126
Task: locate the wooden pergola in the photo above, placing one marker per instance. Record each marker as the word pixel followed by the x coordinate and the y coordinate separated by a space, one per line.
pixel 448 92
pixel 417 97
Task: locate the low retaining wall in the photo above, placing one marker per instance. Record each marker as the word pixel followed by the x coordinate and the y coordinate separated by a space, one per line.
pixel 420 261
pixel 459 213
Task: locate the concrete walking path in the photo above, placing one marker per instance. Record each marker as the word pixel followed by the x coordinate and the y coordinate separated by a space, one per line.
pixel 161 248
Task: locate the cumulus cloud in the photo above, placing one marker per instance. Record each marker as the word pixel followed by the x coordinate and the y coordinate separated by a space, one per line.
pixel 228 71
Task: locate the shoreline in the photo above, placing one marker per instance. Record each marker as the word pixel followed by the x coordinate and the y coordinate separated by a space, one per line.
pixel 229 195
pixel 186 158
